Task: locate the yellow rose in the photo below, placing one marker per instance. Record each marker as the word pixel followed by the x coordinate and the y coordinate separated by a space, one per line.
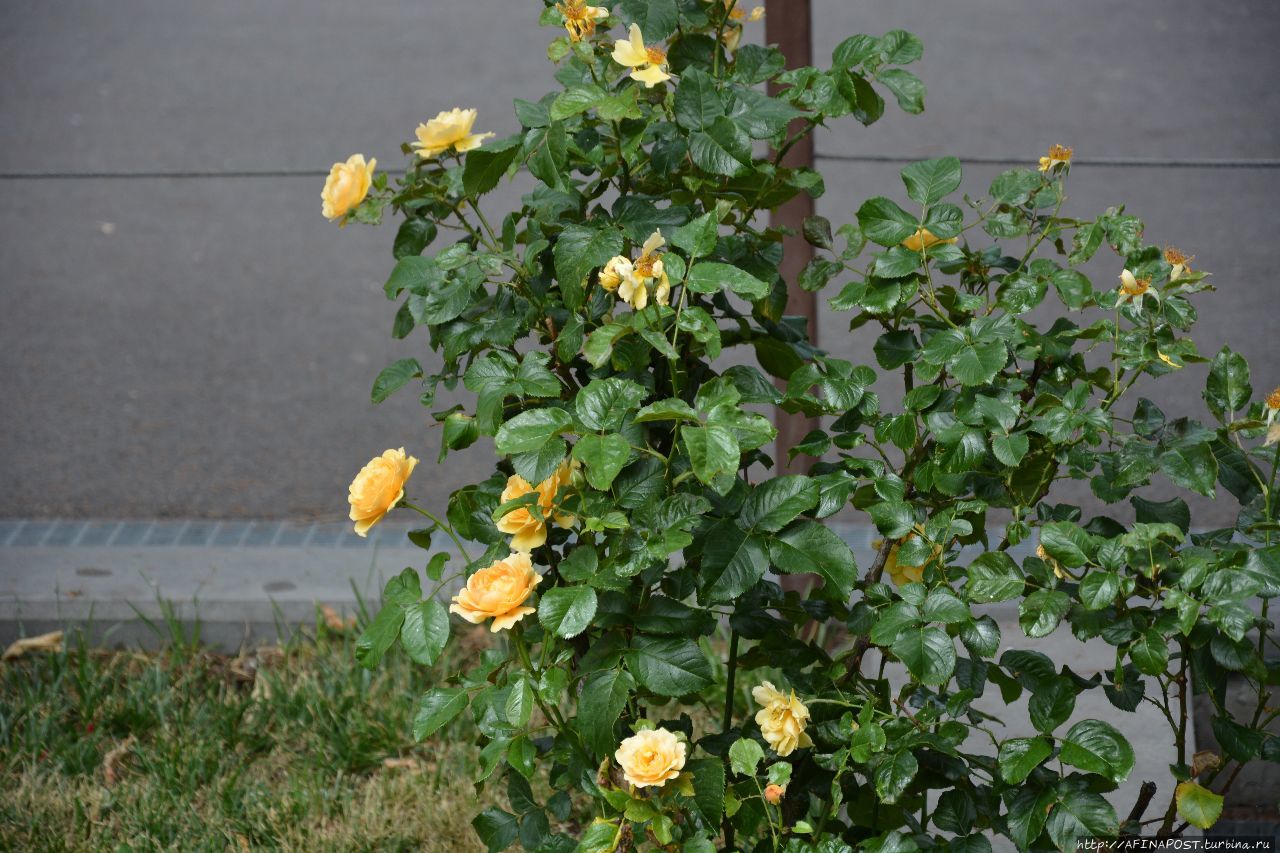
pixel 773 793
pixel 647 64
pixel 614 272
pixel 378 487
pixel 782 719
pixel 449 129
pixel 651 757
pixel 924 239
pixel 527 531
pixel 498 592
pixel 346 186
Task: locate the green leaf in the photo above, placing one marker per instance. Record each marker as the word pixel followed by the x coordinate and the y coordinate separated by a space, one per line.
pixel 1198 805
pixel 906 87
pixel 712 277
pixel 1097 747
pixel 894 349
pixel 519 706
pixel 1227 388
pixel 745 756
pixel 722 149
pixel 379 635
pixel 393 377
pixel 697 103
pixel 894 774
pixel 928 653
pixel 531 429
pixel 567 611
pixel 775 503
pixel 497 829
pixel 669 666
pixel 579 249
pixel 575 100
pixel 713 451
pixel 666 410
pixel 808 546
pixel 977 362
pixel 760 115
pixel 425 631
pixel 436 708
pixel 485 166
pixel 883 222
pixel 698 237
pixel 941 605
pixel 1194 467
pixel 1041 612
pixel 605 402
pixel 1080 814
pixel 1150 653
pixel 1099 589
pixel 603 697
pixel 732 562
pixel 1066 543
pixel 599 346
pixel 929 181
pixel 708 789
pixel 993 576
pixel 413 236
pixel 604 455
pixel 657 18
pixel 1020 755
pixel 1052 703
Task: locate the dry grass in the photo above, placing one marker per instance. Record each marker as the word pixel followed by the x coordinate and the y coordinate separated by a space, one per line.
pixel 293 749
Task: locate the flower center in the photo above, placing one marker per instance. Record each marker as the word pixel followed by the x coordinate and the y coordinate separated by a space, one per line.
pixel 657 56
pixel 1060 152
pixel 643 267
pixel 1139 287
pixel 1273 399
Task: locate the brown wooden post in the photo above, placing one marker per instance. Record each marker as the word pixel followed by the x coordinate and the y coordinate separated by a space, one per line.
pixel 789 25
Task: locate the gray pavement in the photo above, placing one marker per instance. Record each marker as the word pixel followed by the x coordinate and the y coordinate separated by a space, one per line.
pixel 204 347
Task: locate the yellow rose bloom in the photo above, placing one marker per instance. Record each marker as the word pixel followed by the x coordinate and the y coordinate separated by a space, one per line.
pixel 633 279
pixel 900 574
pixel 651 757
pixel 924 239
pixel 527 531
pixel 347 185
pixel 647 64
pixel 580 19
pixel 1059 155
pixel 378 487
pixel 1132 289
pixel 498 592
pixel 614 272
pixel 449 129
pixel 782 719
pixel 1058 571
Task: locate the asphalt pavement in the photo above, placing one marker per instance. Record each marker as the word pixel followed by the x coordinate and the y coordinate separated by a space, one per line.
pixel 202 343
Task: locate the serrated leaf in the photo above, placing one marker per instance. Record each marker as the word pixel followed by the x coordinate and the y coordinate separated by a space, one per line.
pixel 929 181
pixel 567 611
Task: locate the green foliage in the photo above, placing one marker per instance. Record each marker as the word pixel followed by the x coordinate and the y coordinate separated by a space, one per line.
pixel 620 330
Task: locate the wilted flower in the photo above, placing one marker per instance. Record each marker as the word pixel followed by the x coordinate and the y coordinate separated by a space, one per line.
pixel 773 793
pixel 1180 262
pixel 580 19
pixel 1132 288
pixel 1059 155
pixel 923 238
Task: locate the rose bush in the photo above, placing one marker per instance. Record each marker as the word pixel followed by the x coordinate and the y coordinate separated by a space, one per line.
pixel 670 693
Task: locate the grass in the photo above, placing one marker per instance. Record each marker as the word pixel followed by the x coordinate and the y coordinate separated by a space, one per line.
pixel 292 747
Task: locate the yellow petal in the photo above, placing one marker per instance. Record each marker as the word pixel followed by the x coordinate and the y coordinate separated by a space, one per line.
pixel 472 141
pixel 653 244
pixel 650 76
pixel 631 53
